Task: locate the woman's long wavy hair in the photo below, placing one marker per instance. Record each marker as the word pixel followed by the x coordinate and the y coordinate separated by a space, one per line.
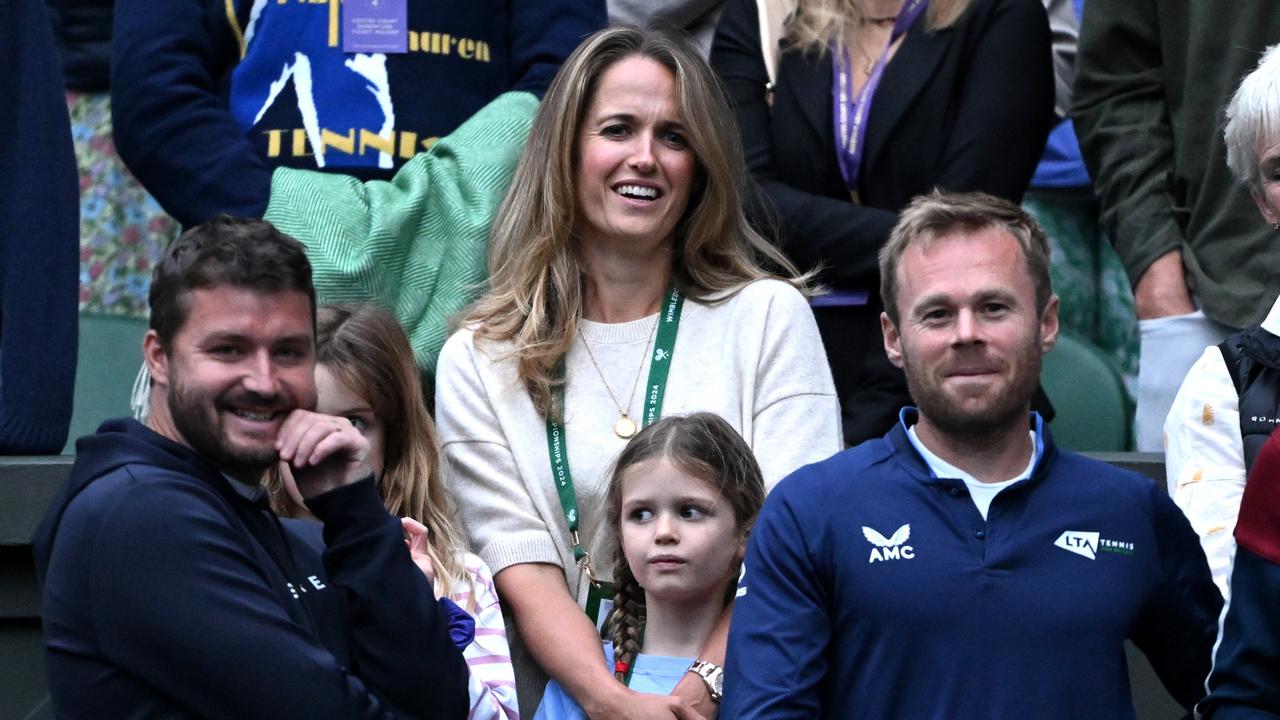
pixel 365 348
pixel 706 447
pixel 816 25
pixel 535 297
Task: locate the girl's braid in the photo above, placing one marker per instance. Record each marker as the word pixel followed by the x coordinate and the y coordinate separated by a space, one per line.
pixel 626 622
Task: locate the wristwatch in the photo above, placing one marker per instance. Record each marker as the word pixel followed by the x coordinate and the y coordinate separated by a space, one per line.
pixel 712 675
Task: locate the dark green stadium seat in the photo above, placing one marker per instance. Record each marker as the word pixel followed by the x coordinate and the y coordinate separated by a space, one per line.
pixel 1094 413
pixel 110 355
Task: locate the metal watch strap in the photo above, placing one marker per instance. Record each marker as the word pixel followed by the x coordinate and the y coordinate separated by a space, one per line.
pixel 712 676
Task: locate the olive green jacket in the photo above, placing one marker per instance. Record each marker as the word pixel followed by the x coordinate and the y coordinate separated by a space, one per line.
pixel 1152 79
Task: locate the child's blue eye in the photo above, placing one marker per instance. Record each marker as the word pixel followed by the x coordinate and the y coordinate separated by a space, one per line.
pixel 358 422
pixel 640 515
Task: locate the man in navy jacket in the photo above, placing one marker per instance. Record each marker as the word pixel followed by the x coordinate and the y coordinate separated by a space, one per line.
pixel 962 566
pixel 169 588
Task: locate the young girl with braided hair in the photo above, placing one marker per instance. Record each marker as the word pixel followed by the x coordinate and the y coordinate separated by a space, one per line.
pixel 681 500
pixel 365 372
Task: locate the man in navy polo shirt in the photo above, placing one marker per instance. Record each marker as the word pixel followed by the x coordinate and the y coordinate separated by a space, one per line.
pixel 962 566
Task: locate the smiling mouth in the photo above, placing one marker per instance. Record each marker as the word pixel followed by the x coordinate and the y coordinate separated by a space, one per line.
pixel 638 192
pixel 255 416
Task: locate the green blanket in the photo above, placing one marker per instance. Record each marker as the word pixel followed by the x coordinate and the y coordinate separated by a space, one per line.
pixel 417 243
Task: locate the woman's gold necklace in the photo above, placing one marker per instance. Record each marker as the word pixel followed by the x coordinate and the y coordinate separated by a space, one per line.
pixel 868 64
pixel 625 427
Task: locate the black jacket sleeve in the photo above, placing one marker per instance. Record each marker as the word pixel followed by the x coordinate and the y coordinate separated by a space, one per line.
pixel 178 600
pixel 401 641
pixel 171 126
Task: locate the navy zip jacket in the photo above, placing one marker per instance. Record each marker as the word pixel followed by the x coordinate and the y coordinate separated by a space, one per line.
pixel 873 589
pixel 169 591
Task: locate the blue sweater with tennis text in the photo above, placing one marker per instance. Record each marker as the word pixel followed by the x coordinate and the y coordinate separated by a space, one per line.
pixel 873 589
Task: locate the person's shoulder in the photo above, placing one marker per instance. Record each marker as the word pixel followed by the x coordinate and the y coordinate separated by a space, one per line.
pixel 460 342
pixel 146 488
pixel 982 13
pixel 851 472
pixel 468 347
pixel 1033 7
pixel 767 300
pixel 1091 478
pixel 136 502
pixel 771 291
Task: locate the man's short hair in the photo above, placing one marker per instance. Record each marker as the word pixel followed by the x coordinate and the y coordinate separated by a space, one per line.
pixel 938 214
pixel 242 253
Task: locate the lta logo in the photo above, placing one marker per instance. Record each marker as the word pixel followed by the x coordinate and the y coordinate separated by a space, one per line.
pixel 1089 544
pixel 1084 544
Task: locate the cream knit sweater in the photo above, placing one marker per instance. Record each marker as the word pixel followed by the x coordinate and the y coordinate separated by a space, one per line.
pixel 755 359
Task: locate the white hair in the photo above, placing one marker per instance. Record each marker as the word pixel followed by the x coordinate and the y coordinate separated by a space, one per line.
pixel 1253 117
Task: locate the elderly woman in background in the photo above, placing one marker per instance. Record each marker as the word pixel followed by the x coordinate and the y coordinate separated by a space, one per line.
pixel 1221 427
pixel 876 102
pixel 625 284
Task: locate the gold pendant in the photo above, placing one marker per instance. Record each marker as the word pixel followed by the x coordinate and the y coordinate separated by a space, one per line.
pixel 625 428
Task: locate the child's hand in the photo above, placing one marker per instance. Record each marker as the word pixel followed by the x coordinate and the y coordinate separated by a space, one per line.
pixel 416 536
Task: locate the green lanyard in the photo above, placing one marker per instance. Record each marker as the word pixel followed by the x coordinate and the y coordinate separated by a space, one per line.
pixel 664 347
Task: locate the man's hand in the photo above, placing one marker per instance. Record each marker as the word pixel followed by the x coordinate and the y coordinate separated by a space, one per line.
pixel 417 536
pixel 1162 289
pixel 631 705
pixel 323 451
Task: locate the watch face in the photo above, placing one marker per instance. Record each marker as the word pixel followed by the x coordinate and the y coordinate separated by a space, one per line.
pixel 717 682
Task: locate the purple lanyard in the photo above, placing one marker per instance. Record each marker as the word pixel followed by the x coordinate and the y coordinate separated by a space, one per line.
pixel 851 113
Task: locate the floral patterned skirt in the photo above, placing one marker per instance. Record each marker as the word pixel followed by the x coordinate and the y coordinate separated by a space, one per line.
pixel 123 231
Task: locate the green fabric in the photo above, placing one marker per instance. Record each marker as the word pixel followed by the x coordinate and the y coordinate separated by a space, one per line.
pixel 1095 302
pixel 417 243
pixel 1152 77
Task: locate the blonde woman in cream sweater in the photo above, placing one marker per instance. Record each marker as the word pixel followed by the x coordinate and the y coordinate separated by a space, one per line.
pixel 626 284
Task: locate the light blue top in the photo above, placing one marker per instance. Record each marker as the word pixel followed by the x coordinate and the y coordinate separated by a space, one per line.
pixel 653 674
